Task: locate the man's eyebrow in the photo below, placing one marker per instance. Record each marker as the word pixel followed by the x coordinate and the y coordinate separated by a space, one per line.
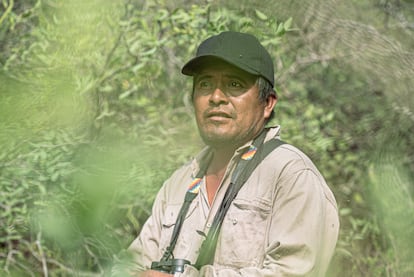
pixel 202 76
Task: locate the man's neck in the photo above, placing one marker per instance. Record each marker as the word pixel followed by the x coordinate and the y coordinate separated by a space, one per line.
pixel 221 158
pixel 216 170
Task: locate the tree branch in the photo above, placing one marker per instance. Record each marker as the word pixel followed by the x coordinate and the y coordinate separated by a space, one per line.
pixel 8 10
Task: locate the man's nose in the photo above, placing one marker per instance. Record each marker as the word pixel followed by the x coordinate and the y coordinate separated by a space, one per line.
pixel 218 96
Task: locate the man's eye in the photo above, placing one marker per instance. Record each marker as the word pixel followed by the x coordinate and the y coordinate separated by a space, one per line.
pixel 204 84
pixel 235 84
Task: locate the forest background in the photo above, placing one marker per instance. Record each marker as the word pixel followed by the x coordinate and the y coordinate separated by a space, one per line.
pixel 95 115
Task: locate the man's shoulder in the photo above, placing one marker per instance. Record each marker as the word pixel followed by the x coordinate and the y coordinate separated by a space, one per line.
pixel 289 158
pixel 290 152
pixel 182 177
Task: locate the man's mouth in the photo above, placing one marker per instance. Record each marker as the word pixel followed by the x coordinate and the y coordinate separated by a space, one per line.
pixel 217 115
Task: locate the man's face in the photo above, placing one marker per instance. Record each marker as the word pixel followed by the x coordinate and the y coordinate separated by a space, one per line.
pixel 227 106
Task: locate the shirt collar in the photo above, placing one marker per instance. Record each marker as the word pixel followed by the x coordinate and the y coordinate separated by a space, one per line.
pixel 205 154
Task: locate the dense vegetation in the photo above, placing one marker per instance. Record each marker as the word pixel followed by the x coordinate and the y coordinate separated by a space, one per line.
pixel 94 116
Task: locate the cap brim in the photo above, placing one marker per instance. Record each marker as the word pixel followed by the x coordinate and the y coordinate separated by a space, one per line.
pixel 192 66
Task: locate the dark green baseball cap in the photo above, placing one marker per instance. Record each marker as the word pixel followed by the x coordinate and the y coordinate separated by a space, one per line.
pixel 239 49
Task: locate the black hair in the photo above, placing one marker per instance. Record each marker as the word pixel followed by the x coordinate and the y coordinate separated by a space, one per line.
pixel 265 90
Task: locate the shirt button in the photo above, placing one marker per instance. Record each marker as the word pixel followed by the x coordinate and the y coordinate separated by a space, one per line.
pixel 208 225
pixel 234 221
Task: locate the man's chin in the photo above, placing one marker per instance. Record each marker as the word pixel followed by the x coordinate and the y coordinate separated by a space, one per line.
pixel 218 139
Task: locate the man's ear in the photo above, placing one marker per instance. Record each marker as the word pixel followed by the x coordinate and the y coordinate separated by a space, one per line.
pixel 269 105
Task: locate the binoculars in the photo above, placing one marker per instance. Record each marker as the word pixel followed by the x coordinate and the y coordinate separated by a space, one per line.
pixel 170 266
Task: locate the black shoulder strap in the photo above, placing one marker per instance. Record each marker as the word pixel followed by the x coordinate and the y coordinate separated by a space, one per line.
pixel 242 172
pixel 189 197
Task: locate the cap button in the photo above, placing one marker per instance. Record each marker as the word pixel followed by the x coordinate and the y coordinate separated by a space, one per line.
pixel 240 56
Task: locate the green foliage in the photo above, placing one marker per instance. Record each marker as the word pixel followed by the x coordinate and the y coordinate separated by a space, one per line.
pixel 95 116
pixel 33 172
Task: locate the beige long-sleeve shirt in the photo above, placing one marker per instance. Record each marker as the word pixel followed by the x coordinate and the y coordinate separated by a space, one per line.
pixel 283 222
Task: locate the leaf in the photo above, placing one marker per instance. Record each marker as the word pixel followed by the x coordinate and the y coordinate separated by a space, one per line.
pixel 163 14
pixel 149 52
pixel 280 29
pixel 127 93
pixel 288 24
pixel 261 15
pixel 136 68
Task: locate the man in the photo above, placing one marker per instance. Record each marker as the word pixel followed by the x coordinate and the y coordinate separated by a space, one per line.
pixel 283 220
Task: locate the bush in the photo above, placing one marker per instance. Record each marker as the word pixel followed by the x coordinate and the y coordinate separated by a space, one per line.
pixel 95 116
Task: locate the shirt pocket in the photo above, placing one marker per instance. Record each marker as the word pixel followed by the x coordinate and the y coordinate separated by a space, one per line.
pixel 243 234
pixel 168 224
